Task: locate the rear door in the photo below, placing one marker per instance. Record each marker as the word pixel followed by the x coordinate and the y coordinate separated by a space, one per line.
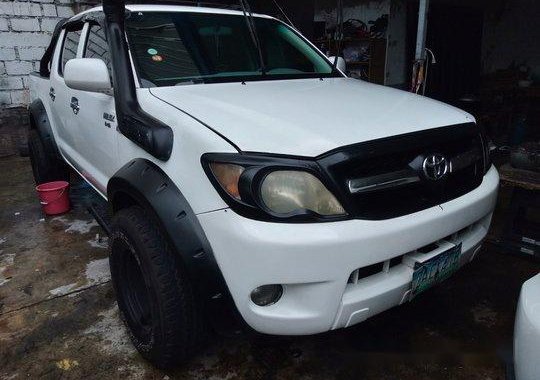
pixel 95 120
pixel 60 95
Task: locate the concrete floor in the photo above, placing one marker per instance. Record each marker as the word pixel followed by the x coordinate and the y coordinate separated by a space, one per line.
pixel 58 317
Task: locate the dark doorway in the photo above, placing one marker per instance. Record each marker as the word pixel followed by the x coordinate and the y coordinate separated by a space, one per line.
pixel 455 37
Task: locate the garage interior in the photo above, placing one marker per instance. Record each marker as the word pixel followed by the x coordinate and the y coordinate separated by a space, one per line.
pixel 58 315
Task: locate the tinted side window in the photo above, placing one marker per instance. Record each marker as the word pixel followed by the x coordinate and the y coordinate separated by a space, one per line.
pixel 69 49
pixel 97 47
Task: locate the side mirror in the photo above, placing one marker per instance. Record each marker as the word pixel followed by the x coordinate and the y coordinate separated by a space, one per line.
pixel 341 65
pixel 87 74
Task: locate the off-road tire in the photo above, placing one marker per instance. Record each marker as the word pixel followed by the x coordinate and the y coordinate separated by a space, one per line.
pixel 46 167
pixel 170 330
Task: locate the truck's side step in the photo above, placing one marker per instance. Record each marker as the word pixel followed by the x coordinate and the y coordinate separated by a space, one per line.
pixel 100 212
pixel 84 197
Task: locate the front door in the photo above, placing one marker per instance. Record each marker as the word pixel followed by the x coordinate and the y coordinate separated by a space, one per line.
pixel 95 119
pixel 60 95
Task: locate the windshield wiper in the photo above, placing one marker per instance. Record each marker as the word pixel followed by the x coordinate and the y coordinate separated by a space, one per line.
pixel 246 9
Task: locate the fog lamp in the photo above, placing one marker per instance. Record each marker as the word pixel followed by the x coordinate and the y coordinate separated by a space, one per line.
pixel 266 295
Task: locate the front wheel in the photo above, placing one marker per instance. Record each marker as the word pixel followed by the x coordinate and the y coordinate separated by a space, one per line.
pixel 154 294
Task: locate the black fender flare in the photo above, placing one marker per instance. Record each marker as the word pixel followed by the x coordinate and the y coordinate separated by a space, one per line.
pixel 39 120
pixel 152 189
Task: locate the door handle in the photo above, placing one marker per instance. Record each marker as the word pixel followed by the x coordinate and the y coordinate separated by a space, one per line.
pixel 75 105
pixel 52 94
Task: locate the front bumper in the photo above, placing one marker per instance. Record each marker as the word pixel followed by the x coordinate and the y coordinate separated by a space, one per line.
pixel 314 261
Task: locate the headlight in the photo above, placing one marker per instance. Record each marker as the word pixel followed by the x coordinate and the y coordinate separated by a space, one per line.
pixel 273 188
pixel 285 192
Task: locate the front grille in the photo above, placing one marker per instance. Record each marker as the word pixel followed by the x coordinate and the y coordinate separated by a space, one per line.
pixel 385 266
pixel 370 270
pixel 396 162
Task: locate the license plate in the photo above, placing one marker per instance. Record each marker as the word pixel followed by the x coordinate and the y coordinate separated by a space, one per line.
pixel 435 270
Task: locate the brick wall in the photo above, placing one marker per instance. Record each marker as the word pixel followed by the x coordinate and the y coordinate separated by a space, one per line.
pixel 26 27
pixel 25 32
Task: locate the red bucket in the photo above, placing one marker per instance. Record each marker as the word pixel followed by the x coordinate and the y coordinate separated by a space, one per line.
pixel 53 197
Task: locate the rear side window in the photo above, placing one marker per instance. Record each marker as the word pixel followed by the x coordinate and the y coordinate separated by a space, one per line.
pixel 69 48
pixel 97 47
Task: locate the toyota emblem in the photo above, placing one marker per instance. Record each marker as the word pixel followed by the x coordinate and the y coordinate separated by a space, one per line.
pixel 435 167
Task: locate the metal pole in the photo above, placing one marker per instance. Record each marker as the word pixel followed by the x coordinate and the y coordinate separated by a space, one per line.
pixel 422 30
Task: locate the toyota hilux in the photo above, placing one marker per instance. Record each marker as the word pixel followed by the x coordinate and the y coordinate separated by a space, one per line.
pixel 245 172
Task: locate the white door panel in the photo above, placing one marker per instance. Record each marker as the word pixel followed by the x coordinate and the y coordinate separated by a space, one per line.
pixel 59 94
pixel 96 137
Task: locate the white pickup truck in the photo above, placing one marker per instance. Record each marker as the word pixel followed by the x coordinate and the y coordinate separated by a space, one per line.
pixel 246 173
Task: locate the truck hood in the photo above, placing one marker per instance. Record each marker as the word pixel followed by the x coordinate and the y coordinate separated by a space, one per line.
pixel 307 117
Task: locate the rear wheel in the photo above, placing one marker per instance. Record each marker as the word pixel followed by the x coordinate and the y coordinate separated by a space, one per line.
pixel 154 295
pixel 46 167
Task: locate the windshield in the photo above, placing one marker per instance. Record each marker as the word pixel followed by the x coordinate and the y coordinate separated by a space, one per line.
pixel 175 48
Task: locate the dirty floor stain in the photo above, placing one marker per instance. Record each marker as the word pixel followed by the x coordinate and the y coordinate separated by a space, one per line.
pixel 67 364
pixel 111 333
pixel 59 319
